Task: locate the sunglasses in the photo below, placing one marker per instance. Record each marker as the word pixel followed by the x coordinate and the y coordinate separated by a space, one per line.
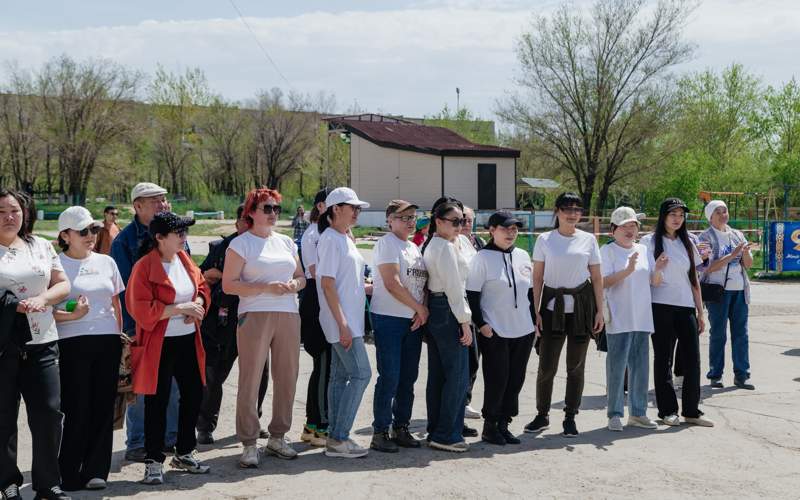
pixel 85 231
pixel 456 222
pixel 355 208
pixel 572 210
pixel 406 218
pixel 271 209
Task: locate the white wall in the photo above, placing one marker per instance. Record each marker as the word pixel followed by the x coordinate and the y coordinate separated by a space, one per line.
pixel 461 180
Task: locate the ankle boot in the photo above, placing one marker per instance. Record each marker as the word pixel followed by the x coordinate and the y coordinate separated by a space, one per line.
pixel 491 434
pixel 502 427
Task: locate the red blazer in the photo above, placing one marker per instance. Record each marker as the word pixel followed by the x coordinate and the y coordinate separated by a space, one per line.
pixel 149 291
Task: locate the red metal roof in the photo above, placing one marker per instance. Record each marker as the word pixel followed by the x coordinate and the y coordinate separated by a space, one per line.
pixel 397 133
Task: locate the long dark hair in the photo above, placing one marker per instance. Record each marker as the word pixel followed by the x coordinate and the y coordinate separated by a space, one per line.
pixel 314 215
pixel 325 219
pixel 440 208
pixel 683 234
pixel 28 207
pixel 566 199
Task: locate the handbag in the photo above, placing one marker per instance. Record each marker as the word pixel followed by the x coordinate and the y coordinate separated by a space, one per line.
pixel 713 292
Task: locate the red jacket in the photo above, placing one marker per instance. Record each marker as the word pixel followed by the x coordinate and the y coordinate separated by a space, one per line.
pixel 149 291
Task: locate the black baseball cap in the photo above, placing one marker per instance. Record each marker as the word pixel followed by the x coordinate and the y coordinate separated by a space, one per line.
pixel 671 204
pixel 169 222
pixel 503 218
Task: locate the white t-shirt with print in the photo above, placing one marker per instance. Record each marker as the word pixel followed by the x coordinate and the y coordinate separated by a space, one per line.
pixel 735 278
pixel 392 250
pixel 308 248
pixel 266 260
pixel 494 273
pixel 339 258
pixel 675 288
pixel 26 273
pixel 184 292
pixel 566 261
pixel 97 278
pixel 629 300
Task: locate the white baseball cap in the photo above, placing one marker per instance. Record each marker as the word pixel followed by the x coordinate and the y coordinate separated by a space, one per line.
pixel 623 215
pixel 712 206
pixel 344 195
pixel 76 218
pixel 146 190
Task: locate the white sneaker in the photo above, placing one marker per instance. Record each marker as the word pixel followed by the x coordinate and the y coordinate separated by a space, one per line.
pixel 671 420
pixel 615 424
pixel 344 449
pixel 96 484
pixel 153 472
pixel 699 421
pixel 249 458
pixel 643 422
pixel 459 447
pixel 470 412
pixel 189 463
pixel 677 382
pixel 280 447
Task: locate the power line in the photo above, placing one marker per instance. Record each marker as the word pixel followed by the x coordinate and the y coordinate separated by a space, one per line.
pixel 263 50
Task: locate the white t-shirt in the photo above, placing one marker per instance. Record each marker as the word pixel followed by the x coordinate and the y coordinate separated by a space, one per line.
pixel 493 273
pixel 448 268
pixel 629 300
pixel 26 272
pixel 675 288
pixel 735 278
pixel 466 248
pixel 184 292
pixel 339 258
pixel 392 250
pixel 269 259
pixel 566 261
pixel 97 278
pixel 308 247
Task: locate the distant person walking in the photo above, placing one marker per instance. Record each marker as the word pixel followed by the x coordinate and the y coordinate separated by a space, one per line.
pixel 109 230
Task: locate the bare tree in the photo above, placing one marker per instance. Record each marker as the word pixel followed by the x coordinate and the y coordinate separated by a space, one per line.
pixel 224 127
pixel 595 88
pixel 83 112
pixel 18 128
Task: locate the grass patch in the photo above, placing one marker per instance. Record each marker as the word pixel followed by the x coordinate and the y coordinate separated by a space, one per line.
pixel 198 259
pixel 367 246
pixel 361 232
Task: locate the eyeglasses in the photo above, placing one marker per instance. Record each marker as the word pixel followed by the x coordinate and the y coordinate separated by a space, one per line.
pixel 456 222
pixel 355 208
pixel 85 231
pixel 572 210
pixel 405 218
pixel 269 209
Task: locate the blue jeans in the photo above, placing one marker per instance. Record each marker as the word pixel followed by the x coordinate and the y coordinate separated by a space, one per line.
pixel 350 374
pixel 134 421
pixel 397 350
pixel 627 350
pixel 448 374
pixel 733 308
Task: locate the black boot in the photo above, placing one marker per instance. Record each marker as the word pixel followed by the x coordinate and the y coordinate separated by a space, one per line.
pixel 403 438
pixel 491 434
pixel 502 427
pixel 469 432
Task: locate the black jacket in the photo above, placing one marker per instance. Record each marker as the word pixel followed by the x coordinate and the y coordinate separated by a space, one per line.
pixel 15 331
pixel 219 334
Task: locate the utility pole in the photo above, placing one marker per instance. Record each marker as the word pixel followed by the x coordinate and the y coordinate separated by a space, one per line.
pixel 458 99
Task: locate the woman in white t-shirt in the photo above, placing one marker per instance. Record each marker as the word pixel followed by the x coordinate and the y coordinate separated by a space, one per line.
pixel 342 301
pixel 398 313
pixel 626 278
pixel 499 289
pixel 677 313
pixel 90 349
pixel 449 333
pixel 31 282
pixel 729 259
pixel 567 289
pixel 263 268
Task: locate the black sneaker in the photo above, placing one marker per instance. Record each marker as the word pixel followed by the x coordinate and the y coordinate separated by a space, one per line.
pixel 469 432
pixel 11 492
pixel 744 384
pixel 502 427
pixel 205 437
pixel 136 455
pixel 491 435
pixel 403 438
pixel 54 493
pixel 540 423
pixel 570 429
pixel 382 441
pixel 716 383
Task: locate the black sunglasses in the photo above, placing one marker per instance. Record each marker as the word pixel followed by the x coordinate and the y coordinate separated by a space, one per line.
pixel 85 231
pixel 572 210
pixel 269 209
pixel 456 222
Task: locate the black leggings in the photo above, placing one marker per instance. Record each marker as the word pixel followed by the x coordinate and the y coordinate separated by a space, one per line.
pixel 675 323
pixel 315 344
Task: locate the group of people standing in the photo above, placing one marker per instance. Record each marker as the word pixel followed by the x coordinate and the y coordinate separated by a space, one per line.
pixel 68 320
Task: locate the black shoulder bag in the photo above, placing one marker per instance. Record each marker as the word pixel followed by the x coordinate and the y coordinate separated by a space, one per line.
pixel 713 292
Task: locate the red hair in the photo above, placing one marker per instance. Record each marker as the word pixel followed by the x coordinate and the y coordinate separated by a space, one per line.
pixel 256 196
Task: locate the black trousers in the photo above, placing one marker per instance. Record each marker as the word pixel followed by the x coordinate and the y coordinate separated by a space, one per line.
pixel 32 375
pixel 550 347
pixel 217 370
pixel 89 379
pixel 505 362
pixel 474 363
pixel 179 360
pixel 674 323
pixel 317 396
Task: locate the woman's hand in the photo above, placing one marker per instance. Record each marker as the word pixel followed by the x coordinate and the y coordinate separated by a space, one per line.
pixel 32 305
pixel 81 308
pixel 632 262
pixel 420 317
pixel 599 322
pixel 277 288
pixel 345 337
pixel 466 335
pixel 538 325
pixel 486 331
pixel 701 324
pixel 661 262
pixel 192 311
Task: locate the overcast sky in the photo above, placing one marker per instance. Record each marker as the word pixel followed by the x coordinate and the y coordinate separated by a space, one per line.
pixel 390 56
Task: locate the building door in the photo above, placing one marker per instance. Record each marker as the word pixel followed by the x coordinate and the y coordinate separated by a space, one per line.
pixel 487 186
